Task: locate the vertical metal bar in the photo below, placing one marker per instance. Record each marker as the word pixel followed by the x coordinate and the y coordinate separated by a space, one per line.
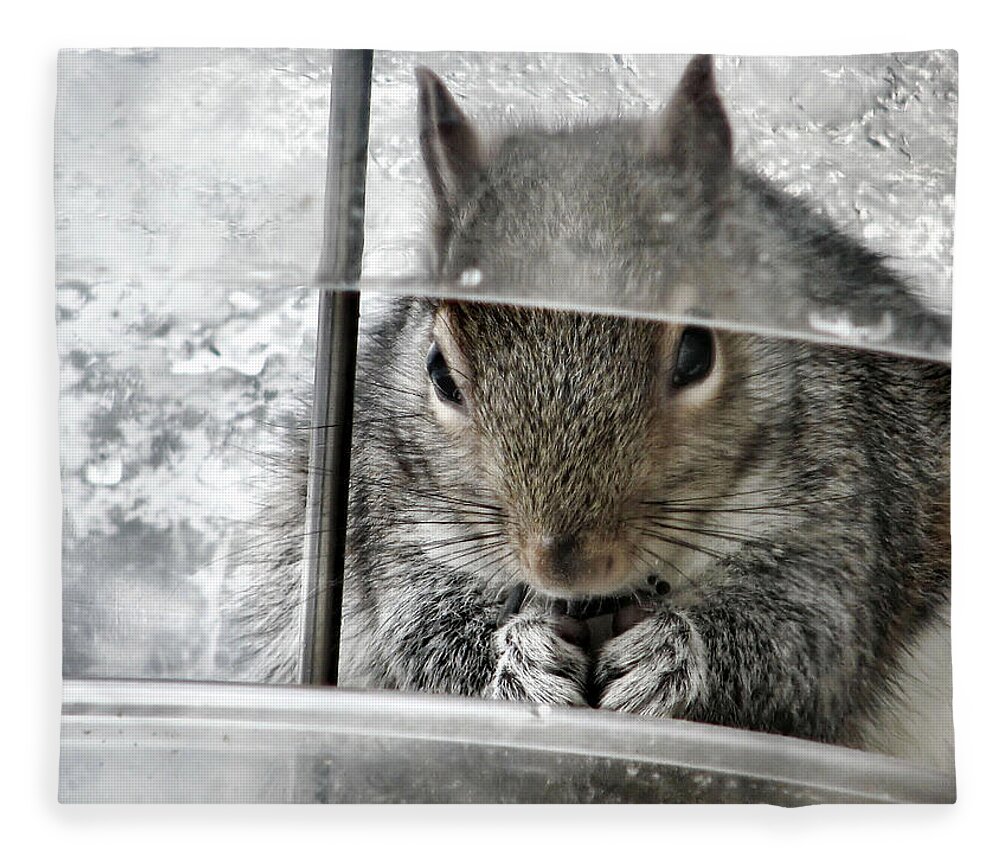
pixel 336 354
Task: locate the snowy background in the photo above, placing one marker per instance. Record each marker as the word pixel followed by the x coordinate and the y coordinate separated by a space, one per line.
pixel 189 199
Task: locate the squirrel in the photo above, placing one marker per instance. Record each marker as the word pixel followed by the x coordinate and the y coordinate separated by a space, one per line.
pixel 762 522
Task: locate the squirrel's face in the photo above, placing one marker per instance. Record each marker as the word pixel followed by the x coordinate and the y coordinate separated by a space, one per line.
pixel 585 431
pixel 579 427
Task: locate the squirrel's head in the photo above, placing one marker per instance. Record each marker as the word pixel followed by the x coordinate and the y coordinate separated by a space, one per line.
pixel 580 426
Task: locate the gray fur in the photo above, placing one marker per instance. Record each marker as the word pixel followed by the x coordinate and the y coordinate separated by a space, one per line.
pixel 800 509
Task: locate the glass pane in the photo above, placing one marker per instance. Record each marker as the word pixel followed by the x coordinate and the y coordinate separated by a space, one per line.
pixel 189 205
pixel 863 144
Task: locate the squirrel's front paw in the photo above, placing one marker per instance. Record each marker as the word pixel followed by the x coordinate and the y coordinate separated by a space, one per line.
pixel 539 660
pixel 652 668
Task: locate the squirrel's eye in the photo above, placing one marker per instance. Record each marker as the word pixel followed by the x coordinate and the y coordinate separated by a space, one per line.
pixel 440 376
pixel 695 356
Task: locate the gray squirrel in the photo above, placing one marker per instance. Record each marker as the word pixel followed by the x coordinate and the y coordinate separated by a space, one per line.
pixel 763 522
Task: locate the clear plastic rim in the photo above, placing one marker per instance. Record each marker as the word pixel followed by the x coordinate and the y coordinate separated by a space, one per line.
pixel 204 707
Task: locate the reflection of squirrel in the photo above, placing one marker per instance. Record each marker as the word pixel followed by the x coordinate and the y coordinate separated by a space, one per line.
pixel 776 511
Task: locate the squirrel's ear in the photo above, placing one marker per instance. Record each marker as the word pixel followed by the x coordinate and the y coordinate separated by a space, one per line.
pixel 692 132
pixel 448 142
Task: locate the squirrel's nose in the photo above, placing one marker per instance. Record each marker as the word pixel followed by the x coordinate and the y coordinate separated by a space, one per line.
pixel 555 557
pixel 563 550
